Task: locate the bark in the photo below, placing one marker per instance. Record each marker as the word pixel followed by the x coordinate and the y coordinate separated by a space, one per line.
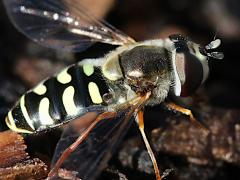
pixel 15 162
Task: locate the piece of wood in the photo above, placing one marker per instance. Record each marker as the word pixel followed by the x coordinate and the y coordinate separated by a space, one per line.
pixel 15 162
pixel 12 149
pixel 28 169
pixel 182 138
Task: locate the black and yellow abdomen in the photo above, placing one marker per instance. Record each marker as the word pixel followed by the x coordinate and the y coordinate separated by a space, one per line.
pixel 58 99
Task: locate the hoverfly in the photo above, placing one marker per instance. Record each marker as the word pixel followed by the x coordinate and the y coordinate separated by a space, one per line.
pixel 118 85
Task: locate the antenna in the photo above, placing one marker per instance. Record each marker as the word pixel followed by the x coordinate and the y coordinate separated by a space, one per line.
pixel 216 55
pixel 213 45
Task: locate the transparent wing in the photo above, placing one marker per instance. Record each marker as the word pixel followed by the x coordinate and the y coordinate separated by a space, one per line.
pixel 91 157
pixel 62 24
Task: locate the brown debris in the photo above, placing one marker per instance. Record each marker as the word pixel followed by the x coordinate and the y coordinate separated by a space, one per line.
pixel 66 174
pixel 182 138
pixel 14 160
pixel 12 149
pixel 29 169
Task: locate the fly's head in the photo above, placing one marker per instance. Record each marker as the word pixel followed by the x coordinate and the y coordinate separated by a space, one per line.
pixel 190 64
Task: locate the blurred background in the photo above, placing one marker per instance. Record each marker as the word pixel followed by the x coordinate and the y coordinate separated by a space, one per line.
pixel 23 63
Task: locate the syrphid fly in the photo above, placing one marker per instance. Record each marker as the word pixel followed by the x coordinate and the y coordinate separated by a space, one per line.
pixel 101 94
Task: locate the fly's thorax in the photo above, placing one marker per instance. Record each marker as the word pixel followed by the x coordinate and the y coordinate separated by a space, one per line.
pixel 111 68
pixel 144 67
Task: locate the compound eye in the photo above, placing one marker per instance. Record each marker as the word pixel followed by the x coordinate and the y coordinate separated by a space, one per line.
pixel 190 71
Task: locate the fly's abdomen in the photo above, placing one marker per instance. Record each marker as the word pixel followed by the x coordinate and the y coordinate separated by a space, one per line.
pixel 58 99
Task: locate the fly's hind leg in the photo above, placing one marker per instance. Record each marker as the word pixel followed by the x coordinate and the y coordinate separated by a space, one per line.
pixel 187 112
pixel 150 152
pixel 80 139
